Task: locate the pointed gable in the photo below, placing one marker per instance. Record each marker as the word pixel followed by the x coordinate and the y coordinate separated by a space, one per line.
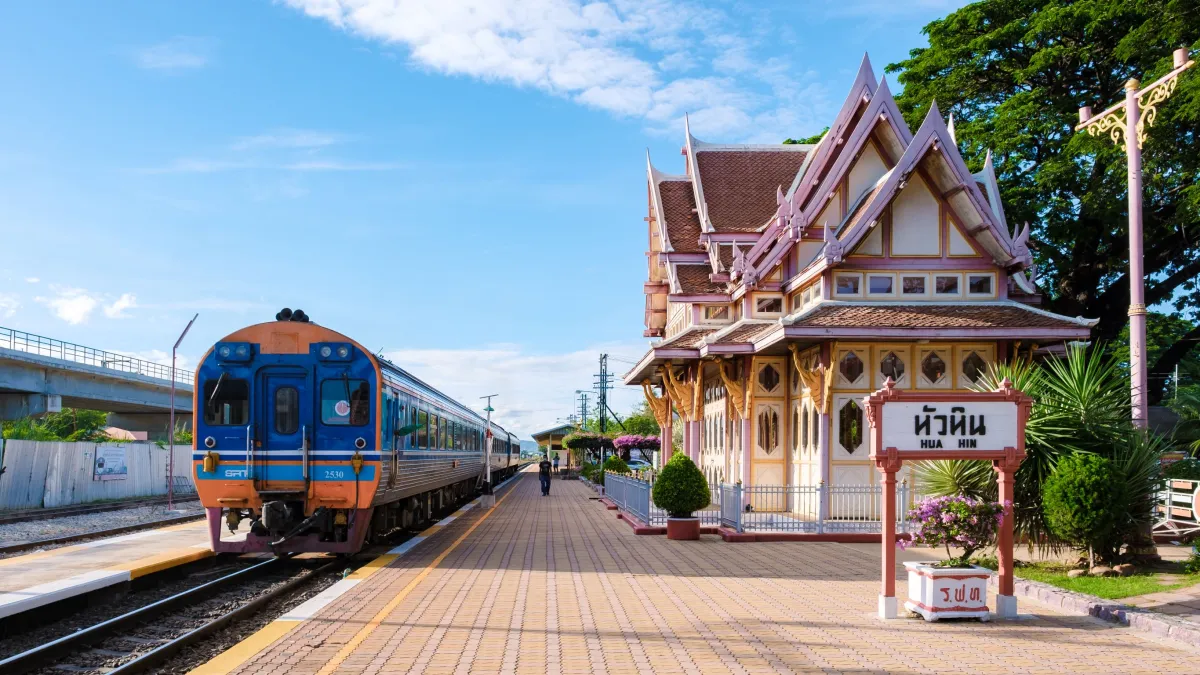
pixel 679 216
pixel 933 163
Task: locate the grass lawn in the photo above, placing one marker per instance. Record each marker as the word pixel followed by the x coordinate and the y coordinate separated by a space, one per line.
pixel 1109 588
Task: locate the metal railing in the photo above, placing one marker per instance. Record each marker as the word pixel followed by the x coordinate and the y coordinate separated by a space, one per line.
pixel 67 351
pixel 814 509
pixel 1177 507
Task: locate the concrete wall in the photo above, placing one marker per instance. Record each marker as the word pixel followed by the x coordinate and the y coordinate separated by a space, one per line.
pixel 41 474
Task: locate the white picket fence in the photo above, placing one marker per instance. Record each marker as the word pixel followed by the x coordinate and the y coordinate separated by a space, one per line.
pixel 43 474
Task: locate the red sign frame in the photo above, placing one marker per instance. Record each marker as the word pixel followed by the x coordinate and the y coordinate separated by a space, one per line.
pixel 889 460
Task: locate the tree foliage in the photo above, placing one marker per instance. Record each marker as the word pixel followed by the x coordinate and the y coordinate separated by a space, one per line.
pixel 72 424
pixel 1014 74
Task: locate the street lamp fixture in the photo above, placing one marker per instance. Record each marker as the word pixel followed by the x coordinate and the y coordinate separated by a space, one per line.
pixel 171 431
pixel 1126 124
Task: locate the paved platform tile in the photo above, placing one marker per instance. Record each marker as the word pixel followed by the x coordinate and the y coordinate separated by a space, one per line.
pixel 558 585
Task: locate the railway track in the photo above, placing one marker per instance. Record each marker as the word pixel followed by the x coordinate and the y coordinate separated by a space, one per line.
pixel 95 534
pixel 85 509
pixel 142 640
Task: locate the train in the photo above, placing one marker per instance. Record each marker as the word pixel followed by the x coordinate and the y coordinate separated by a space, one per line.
pixel 324 446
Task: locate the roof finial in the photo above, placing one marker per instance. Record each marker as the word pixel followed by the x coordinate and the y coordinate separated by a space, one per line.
pixel 950 128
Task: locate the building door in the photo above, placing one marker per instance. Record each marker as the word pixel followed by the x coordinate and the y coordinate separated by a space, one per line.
pixel 285 418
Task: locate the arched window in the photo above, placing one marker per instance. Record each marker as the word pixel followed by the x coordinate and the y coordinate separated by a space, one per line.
pixel 768 430
pixel 850 421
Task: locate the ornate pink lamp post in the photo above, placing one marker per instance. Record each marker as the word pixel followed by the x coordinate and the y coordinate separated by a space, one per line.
pixel 1124 121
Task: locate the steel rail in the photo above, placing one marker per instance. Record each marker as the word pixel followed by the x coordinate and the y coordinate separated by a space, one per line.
pixel 165 651
pixel 54 650
pixel 71 538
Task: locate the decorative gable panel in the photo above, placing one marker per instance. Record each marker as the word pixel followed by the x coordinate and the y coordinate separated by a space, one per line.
pixel 867 170
pixel 959 246
pixel 916 221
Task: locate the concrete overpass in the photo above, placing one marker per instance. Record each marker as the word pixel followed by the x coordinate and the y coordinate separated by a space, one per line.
pixel 40 375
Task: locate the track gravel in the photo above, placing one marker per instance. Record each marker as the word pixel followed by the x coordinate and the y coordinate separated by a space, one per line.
pixel 13 533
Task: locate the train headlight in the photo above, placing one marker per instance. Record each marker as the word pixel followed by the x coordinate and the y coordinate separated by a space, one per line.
pixel 234 351
pixel 326 351
pixel 360 442
pixel 343 352
pixel 333 351
pixel 210 442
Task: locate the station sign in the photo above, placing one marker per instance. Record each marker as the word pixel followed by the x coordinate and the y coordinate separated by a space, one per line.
pixel 953 425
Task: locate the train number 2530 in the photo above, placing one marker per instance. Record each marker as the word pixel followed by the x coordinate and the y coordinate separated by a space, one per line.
pixel 334 474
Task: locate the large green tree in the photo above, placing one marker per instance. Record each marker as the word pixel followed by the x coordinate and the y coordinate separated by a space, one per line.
pixel 1014 74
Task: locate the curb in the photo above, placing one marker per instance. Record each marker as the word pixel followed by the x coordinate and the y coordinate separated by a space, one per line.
pixel 734 536
pixel 1142 620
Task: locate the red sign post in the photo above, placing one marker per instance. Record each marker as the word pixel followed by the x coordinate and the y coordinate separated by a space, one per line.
pixel 916 425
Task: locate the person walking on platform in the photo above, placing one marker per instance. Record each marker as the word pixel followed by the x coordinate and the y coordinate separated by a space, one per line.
pixel 544 475
pixel 556 471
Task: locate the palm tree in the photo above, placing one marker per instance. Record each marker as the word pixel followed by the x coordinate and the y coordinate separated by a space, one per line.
pixel 1081 404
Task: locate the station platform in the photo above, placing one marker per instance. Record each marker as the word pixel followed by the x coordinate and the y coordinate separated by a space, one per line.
pixel 43 577
pixel 557 584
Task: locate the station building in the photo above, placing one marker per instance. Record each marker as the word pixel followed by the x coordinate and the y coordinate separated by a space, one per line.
pixel 787 282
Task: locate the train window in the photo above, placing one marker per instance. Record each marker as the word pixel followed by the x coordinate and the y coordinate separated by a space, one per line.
pixel 423 430
pixel 345 402
pixel 226 402
pixel 287 410
pixel 444 434
pixel 435 424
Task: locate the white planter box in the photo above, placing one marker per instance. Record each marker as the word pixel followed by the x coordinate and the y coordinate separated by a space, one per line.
pixel 947 593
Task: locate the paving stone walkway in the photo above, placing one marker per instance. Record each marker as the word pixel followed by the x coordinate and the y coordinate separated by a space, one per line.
pixel 558 585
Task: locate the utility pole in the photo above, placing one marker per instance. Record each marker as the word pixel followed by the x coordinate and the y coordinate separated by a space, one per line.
pixel 171 431
pixel 488 499
pixel 1127 121
pixel 602 385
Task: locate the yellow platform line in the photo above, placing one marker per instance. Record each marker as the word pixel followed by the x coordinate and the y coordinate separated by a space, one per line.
pixel 376 620
pixel 86 546
pixel 243 651
pixel 240 653
pixel 163 561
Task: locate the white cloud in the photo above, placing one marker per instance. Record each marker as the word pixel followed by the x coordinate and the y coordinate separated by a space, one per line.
pixel 202 165
pixel 116 310
pixel 535 390
pixel 614 55
pixel 287 138
pixel 72 305
pixel 31 280
pixel 178 54
pixel 9 304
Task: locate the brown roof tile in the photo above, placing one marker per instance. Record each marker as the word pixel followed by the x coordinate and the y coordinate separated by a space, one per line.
pixel 744 333
pixel 679 212
pixel 929 316
pixel 690 339
pixel 693 280
pixel 739 185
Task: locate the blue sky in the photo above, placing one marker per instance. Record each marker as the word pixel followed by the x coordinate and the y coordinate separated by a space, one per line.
pixel 459 184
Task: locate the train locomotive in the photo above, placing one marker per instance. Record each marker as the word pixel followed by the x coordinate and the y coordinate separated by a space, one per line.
pixel 322 444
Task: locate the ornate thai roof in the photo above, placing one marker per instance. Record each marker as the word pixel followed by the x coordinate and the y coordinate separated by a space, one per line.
pixel 743 332
pixel 739 182
pixel 694 280
pixel 1001 314
pixel 679 215
pixel 691 338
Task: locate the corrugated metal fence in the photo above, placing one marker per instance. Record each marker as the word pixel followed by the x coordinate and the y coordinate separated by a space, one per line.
pixel 42 474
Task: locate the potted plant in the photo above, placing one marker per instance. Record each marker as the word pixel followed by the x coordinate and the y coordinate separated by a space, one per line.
pixel 951 588
pixel 681 490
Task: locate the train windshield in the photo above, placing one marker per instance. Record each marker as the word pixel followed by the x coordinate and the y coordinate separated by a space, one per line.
pixel 226 402
pixel 345 402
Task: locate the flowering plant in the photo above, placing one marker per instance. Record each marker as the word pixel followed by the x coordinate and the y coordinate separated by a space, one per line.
pixel 635 442
pixel 963 522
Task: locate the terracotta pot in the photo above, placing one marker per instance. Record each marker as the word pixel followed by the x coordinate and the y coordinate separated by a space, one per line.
pixel 683 529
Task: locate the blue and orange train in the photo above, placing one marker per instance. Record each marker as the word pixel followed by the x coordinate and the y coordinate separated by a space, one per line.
pixel 322 444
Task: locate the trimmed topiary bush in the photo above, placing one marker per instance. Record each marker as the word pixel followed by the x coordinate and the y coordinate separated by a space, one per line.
pixel 616 465
pixel 680 489
pixel 1082 500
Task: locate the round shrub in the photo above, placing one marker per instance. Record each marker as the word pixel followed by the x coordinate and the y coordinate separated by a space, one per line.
pixel 1081 500
pixel 616 465
pixel 680 489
